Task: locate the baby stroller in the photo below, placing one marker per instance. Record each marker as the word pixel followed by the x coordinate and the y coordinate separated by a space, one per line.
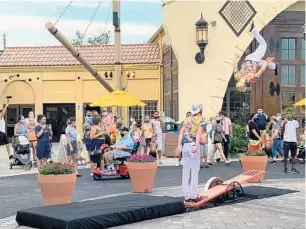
pixel 22 153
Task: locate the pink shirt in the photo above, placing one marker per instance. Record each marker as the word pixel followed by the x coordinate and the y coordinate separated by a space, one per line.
pixel 226 125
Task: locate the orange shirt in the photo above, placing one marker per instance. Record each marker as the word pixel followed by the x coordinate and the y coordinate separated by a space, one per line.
pixel 267 143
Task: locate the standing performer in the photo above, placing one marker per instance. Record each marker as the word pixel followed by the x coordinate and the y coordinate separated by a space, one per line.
pixel 190 135
pixel 248 72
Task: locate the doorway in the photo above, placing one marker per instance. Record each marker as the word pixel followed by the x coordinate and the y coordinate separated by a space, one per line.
pixel 13 111
pixel 57 115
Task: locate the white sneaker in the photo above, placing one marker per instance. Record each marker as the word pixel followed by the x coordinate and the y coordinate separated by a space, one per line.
pixel 178 164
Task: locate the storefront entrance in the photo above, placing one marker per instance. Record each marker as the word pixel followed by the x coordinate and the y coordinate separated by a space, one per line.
pixel 13 111
pixel 57 115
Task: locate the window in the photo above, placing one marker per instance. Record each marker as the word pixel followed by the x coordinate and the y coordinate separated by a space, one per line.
pixel 302 74
pixel 303 50
pixel 288 48
pixel 149 109
pixel 288 75
pixel 302 108
pixel 288 99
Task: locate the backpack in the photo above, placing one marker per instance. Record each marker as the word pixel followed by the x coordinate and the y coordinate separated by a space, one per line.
pixel 210 133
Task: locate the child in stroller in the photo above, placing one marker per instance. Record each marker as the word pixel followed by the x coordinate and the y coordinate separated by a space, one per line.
pixel 22 152
pixel 113 158
pixel 21 145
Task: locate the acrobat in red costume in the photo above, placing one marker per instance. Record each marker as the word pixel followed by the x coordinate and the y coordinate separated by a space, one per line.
pixel 248 72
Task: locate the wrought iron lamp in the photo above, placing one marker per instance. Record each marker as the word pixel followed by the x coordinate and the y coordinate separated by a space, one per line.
pixel 201 39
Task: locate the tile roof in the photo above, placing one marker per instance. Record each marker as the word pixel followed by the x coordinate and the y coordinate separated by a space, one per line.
pixel 95 54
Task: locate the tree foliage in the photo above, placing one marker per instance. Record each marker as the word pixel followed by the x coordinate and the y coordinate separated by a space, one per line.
pixel 103 38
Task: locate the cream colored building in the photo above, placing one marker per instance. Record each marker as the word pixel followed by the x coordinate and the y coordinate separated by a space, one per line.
pixel 207 83
pixel 48 80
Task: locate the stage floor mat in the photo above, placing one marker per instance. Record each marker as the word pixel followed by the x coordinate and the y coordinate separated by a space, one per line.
pixel 102 213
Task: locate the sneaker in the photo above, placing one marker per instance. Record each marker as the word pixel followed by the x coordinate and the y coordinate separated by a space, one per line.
pixel 159 162
pixel 178 164
pixel 206 166
pixel 252 26
pixel 285 170
pixel 273 162
pixel 105 171
pixel 201 166
pixel 295 171
pixel 218 159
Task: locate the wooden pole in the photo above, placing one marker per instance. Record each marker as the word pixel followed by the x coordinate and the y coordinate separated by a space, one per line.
pixel 75 53
pixel 116 23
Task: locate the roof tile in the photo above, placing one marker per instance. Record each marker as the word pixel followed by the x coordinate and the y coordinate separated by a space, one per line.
pixel 95 54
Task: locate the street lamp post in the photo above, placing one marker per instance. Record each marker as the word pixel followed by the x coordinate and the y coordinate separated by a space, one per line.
pixel 201 39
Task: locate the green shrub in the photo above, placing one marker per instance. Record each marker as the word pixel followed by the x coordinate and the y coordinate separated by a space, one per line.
pixel 255 153
pixel 239 142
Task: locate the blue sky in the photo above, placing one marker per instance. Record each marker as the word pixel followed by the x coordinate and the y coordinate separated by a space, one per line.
pixel 23 20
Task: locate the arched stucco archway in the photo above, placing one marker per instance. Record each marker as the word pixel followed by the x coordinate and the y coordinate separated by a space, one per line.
pixel 21 92
pixel 206 83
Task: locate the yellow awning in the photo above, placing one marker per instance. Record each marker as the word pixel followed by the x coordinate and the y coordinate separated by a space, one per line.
pixel 118 98
pixel 300 103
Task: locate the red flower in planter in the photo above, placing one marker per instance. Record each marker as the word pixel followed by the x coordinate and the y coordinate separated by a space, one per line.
pixel 141 158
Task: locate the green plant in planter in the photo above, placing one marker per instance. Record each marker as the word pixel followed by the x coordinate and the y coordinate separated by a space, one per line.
pixel 59 168
pixel 239 142
pixel 255 153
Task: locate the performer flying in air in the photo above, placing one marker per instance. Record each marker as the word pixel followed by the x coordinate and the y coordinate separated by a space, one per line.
pixel 248 72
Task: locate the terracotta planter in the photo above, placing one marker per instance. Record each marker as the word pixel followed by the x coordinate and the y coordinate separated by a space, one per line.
pixel 142 176
pixel 56 189
pixel 254 163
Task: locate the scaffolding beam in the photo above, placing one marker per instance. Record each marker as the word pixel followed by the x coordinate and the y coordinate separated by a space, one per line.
pixel 75 53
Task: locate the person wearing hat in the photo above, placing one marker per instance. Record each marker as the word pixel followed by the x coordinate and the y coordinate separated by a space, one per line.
pixel 190 135
pixel 226 124
pixel 158 127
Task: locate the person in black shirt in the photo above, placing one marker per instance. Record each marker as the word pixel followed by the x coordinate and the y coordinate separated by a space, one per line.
pixel 254 131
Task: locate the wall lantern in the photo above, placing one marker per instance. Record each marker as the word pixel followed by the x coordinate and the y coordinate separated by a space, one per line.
pixel 201 39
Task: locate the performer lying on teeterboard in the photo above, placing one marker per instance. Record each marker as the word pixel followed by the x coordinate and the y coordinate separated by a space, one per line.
pixel 248 72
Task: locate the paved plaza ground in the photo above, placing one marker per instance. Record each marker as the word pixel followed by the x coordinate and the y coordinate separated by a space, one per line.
pixel 287 211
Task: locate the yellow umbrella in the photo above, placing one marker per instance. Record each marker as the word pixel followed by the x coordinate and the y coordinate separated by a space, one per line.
pixel 300 103
pixel 118 98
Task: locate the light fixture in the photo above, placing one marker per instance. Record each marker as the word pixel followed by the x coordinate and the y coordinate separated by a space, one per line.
pixel 201 39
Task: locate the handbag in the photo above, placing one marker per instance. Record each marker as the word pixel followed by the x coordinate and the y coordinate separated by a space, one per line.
pixel 254 145
pixel 32 136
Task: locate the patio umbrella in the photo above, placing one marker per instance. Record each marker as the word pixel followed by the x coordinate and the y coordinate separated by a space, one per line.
pixel 300 103
pixel 118 98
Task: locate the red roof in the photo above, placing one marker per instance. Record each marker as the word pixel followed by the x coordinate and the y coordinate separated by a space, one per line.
pixel 95 54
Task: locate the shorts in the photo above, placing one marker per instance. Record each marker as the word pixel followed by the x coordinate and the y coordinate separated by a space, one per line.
pixel 148 140
pixel 290 146
pixel 74 149
pixel 217 142
pixel 204 150
pixel 95 158
pixel 87 144
pixel 43 150
pixel 153 154
pixel 268 151
pixel 3 139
